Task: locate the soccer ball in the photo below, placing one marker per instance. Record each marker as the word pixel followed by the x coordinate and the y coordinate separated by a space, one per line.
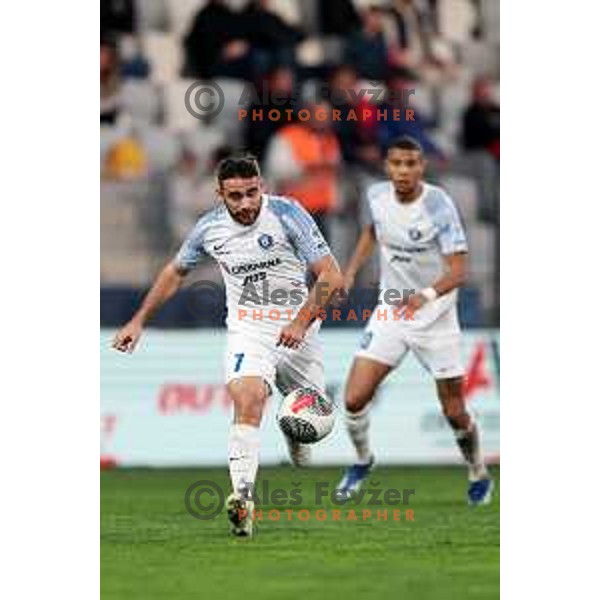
pixel 306 416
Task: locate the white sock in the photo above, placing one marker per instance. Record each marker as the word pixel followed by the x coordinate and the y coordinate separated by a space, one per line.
pixel 244 444
pixel 358 429
pixel 469 442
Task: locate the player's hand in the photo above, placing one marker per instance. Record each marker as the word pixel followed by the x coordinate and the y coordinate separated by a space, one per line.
pixel 413 303
pixel 341 295
pixel 127 337
pixel 291 335
pixel 349 281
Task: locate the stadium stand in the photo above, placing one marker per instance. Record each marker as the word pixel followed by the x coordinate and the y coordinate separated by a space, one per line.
pixel 148 138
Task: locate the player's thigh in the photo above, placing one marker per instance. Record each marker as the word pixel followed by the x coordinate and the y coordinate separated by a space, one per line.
pixel 440 354
pixel 302 367
pixel 383 342
pixel 249 374
pixel 366 374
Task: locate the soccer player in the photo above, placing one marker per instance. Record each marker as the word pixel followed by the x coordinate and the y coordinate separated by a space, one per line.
pixel 422 249
pixel 261 242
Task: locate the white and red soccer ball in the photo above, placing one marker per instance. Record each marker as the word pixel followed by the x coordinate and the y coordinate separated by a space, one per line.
pixel 306 415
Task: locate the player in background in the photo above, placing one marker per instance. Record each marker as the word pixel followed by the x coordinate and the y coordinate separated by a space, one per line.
pixel 422 248
pixel 259 240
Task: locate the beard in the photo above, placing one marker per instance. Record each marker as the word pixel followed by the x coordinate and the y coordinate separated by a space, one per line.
pixel 244 217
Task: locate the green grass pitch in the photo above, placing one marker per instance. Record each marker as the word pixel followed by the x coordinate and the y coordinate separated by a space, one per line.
pixel 152 548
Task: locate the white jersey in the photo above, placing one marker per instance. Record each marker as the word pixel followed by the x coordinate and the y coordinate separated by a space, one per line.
pixel 413 239
pixel 264 265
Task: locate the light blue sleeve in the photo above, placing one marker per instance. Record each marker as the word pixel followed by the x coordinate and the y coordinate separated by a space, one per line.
pixel 301 229
pixel 451 234
pixel 192 250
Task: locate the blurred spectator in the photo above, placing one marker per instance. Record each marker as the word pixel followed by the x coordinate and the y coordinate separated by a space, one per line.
pixel 157 180
pixel 357 142
pixel 413 28
pixel 134 65
pixel 110 83
pixel 303 161
pixel 338 17
pixel 126 160
pixel 342 82
pixel 137 150
pixel 417 44
pixel 481 120
pixel 271 38
pixel 399 84
pixel 117 16
pixel 215 45
pixel 367 48
pixel 277 89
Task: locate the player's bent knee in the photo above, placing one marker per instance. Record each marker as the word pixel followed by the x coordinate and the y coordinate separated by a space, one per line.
pixel 457 415
pixel 356 400
pixel 249 399
pixel 248 410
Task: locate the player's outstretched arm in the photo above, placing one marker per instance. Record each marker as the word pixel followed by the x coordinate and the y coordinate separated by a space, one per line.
pixel 329 282
pixel 166 284
pixel 364 249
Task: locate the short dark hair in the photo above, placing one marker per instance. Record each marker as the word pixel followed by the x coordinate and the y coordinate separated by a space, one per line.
pixel 405 142
pixel 244 167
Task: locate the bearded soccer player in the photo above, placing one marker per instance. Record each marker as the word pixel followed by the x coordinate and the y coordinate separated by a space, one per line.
pixel 255 237
pixel 423 249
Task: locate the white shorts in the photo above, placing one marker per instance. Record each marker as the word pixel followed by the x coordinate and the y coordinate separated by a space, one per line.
pixel 437 346
pixel 283 368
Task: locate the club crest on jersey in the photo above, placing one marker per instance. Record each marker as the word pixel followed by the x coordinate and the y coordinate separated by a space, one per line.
pixel 414 234
pixel 265 241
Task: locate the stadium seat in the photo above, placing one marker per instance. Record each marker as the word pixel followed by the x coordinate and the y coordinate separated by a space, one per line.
pixel 454 97
pixel 490 14
pixel 204 140
pixel 123 240
pixel 318 51
pixel 108 136
pixel 457 20
pixel 134 230
pixel 463 191
pixel 481 58
pixel 482 250
pixel 228 119
pixel 481 167
pixel 483 262
pixel 142 101
pixel 164 52
pixel 311 52
pixel 423 100
pixel 333 49
pixel 177 117
pixel 163 148
pixel 152 15
pixel 181 13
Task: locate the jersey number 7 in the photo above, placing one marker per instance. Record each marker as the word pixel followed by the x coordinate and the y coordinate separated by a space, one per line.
pixel 238 361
